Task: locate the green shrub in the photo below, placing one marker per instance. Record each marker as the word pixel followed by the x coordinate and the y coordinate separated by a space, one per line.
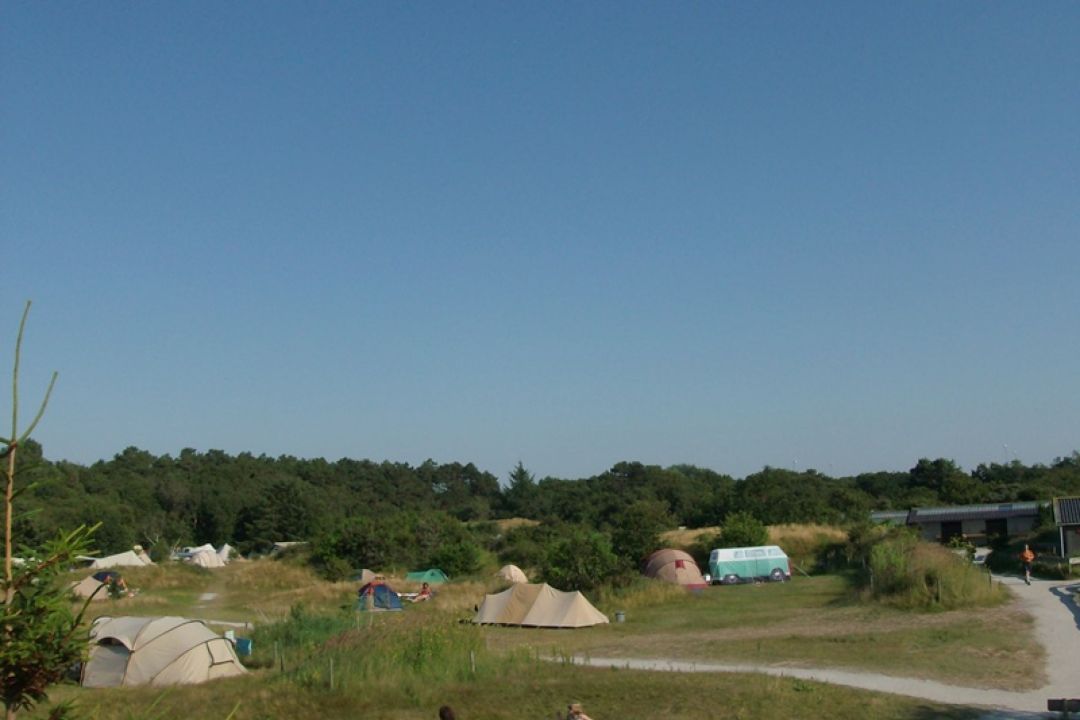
pixel 581 559
pixel 703 547
pixel 526 545
pixel 741 529
pixel 399 540
pixel 457 558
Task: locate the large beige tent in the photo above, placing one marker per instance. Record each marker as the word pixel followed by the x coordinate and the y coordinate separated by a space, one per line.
pixel 674 566
pixel 124 559
pixel 538 606
pixel 512 574
pixel 129 651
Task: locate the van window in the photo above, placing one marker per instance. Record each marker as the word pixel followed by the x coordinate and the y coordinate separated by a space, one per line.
pixel 739 554
pixel 775 552
pixel 756 552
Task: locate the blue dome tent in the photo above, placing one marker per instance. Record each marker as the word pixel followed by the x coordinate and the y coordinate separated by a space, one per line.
pixel 377 596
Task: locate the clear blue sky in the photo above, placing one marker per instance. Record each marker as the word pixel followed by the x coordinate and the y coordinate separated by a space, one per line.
pixel 840 236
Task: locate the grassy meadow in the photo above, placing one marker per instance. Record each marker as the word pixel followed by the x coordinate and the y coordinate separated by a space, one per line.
pixel 315 657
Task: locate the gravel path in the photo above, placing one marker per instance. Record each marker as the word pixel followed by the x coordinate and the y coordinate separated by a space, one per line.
pixel 1057 626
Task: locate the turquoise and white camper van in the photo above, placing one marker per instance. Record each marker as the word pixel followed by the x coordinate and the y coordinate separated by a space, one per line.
pixel 728 566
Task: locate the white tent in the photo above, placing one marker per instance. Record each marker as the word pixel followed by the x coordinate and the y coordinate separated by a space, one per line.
pixel 206 559
pixel 192 550
pixel 538 606
pixel 124 559
pixel 129 651
pixel 226 552
pixel 512 574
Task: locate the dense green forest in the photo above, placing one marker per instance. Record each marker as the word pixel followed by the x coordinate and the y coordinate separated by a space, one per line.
pixel 250 502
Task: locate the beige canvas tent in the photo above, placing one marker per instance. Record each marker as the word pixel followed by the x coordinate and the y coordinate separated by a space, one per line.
pixel 532 605
pixel 124 559
pixel 88 586
pixel 129 651
pixel 207 559
pixel 674 566
pixel 511 574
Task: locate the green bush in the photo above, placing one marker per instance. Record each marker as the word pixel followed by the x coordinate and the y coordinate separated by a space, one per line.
pixel 400 540
pixel 457 558
pixel 581 559
pixel 741 529
pixel 526 546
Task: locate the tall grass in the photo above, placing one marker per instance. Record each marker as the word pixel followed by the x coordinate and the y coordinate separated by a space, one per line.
pixel 909 573
pixel 404 653
pixel 640 592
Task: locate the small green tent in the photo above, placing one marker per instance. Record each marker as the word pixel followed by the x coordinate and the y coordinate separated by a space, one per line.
pixel 433 576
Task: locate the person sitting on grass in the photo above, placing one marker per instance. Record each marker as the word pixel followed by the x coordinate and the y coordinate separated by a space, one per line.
pixel 117 588
pixel 424 594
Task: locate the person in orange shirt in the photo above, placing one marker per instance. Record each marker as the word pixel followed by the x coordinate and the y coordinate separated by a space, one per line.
pixel 1027 557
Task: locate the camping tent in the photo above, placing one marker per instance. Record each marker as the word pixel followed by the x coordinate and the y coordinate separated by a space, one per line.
pixel 87 588
pixel 377 596
pixel 128 651
pixel 674 566
pixel 433 576
pixel 207 559
pixel 512 574
pixel 124 559
pixel 226 552
pixel 538 606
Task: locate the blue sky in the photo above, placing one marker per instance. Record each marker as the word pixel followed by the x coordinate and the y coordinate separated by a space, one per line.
pixel 841 236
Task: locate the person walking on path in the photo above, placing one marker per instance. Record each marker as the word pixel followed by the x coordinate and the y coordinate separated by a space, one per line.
pixel 1027 557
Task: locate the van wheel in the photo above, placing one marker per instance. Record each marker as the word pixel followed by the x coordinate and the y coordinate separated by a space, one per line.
pixel 730 580
pixel 777 575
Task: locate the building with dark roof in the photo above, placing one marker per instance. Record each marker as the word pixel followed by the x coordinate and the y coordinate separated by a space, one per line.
pixel 1067 518
pixel 976 523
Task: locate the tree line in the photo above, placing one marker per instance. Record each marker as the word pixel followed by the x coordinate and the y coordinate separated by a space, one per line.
pixel 252 501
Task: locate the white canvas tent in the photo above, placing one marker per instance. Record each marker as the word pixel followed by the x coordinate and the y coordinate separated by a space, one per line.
pixel 532 605
pixel 512 574
pixel 226 552
pixel 193 550
pixel 124 559
pixel 207 559
pixel 130 651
